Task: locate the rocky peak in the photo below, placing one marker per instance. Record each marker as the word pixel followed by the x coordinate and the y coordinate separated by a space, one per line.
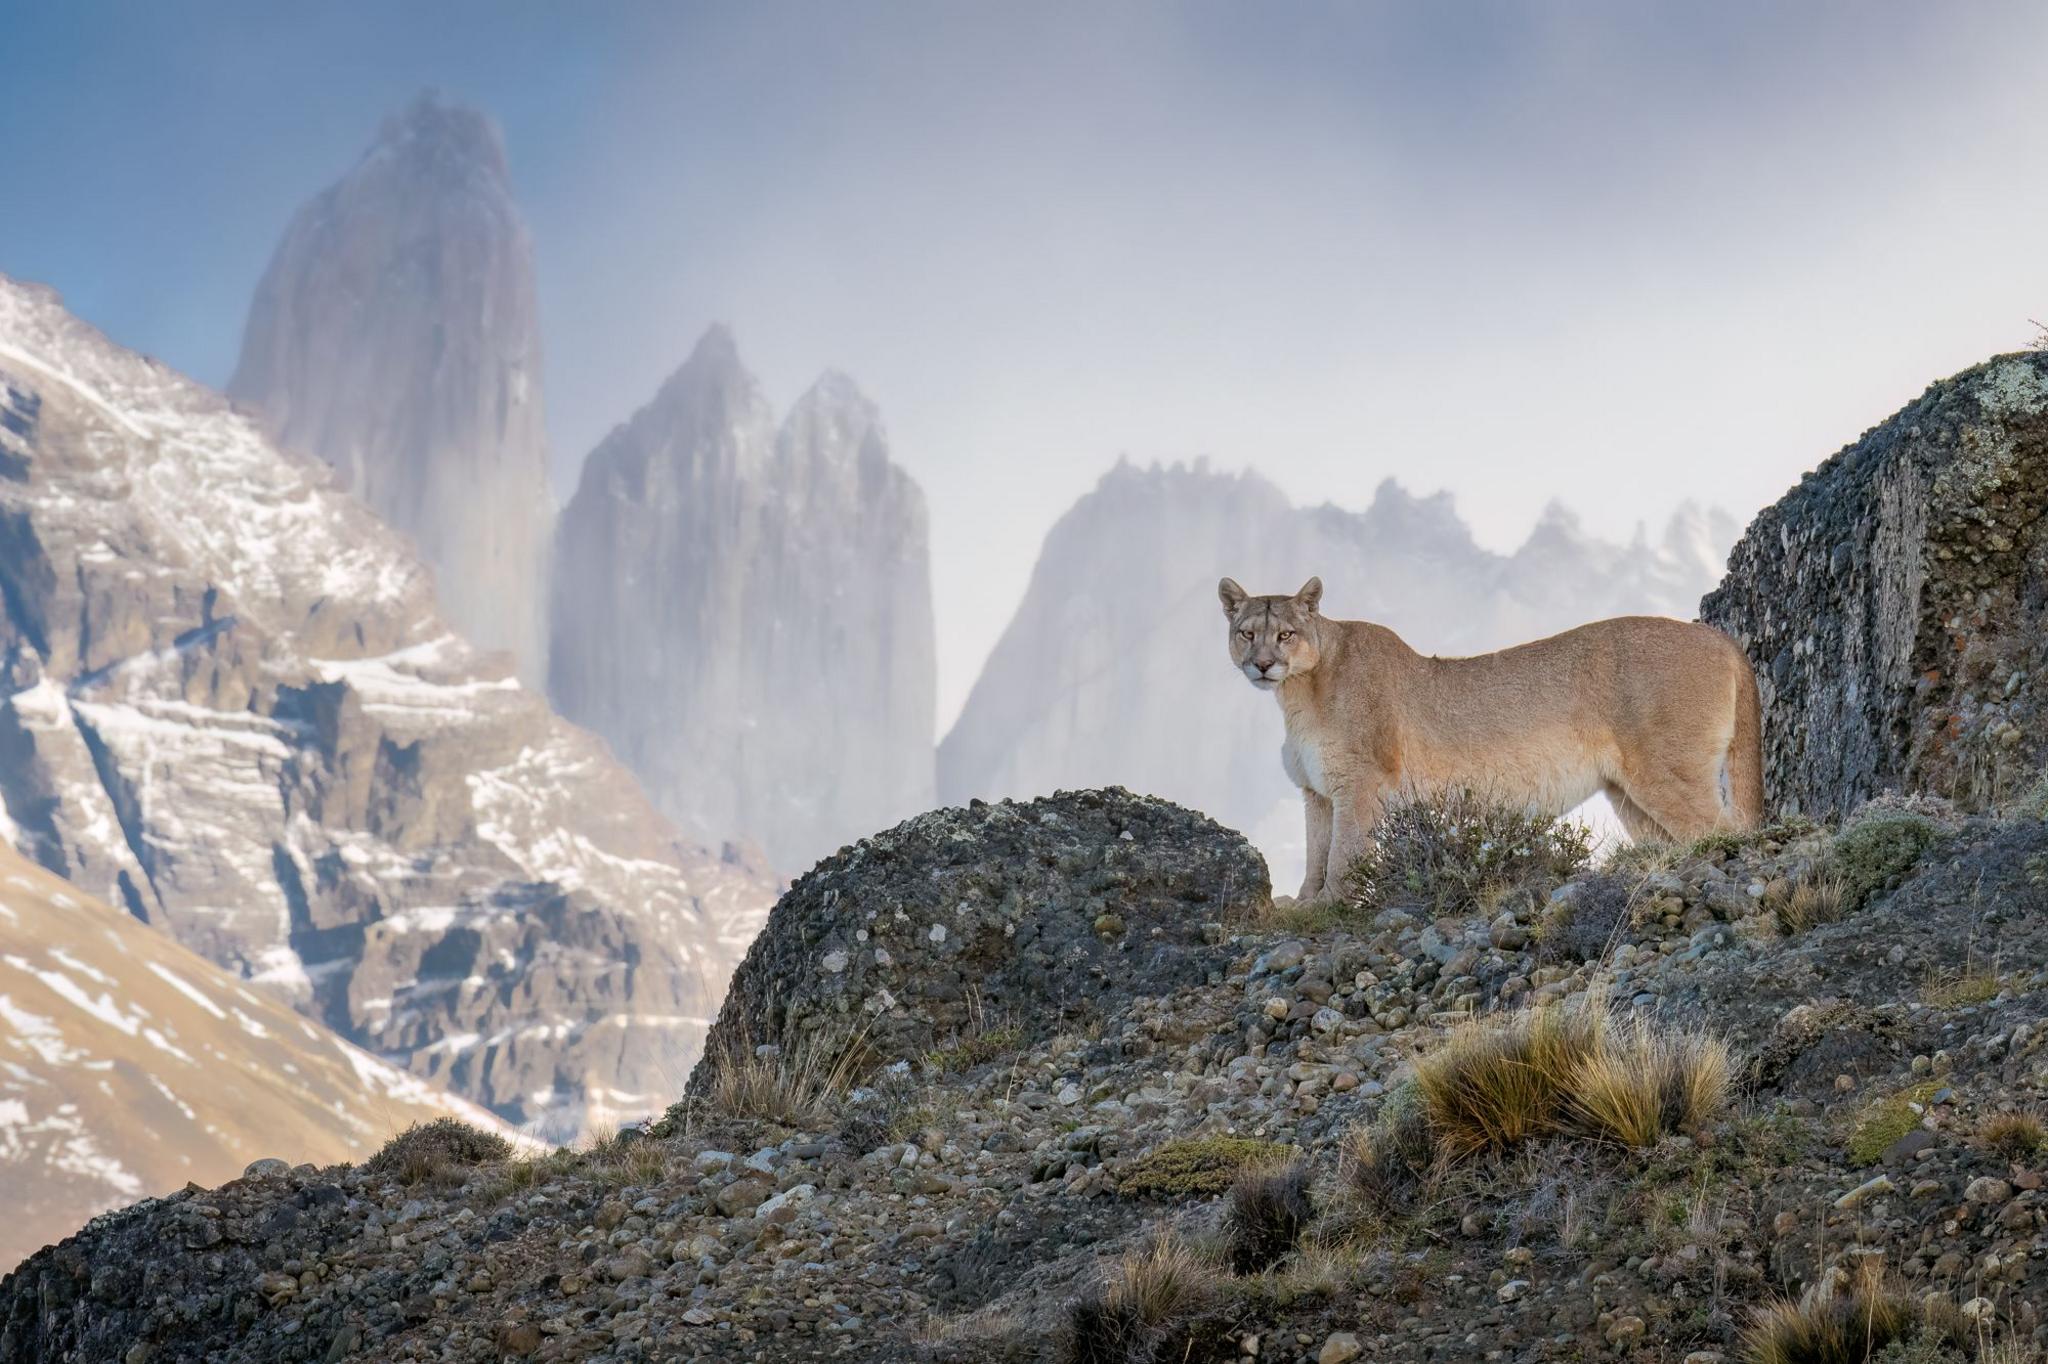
pixel 395 335
pixel 445 144
pixel 772 584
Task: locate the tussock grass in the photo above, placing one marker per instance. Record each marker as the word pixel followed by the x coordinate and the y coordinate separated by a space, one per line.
pixel 797 1086
pixel 2014 1135
pixel 1645 1083
pixel 1813 900
pixel 1268 1210
pixel 1955 989
pixel 1142 1295
pixel 1568 1072
pixel 1849 1319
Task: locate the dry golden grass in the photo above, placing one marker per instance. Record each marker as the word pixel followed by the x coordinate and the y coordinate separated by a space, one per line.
pixel 1567 1072
pixel 1847 1320
pixel 1142 1292
pixel 1643 1083
pixel 796 1085
pixel 1813 901
pixel 2014 1135
pixel 1267 1211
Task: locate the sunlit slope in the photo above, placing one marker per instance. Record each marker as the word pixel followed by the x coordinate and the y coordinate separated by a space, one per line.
pixel 129 1065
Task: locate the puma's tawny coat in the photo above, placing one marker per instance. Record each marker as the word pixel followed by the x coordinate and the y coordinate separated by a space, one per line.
pixel 1660 714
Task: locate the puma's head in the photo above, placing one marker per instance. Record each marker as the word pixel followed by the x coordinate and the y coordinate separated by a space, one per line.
pixel 1271 638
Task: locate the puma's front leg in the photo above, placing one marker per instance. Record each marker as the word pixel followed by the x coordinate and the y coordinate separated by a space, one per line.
pixel 1355 814
pixel 1316 809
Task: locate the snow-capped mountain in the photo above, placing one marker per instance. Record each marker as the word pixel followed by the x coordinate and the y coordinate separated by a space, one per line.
pixel 745 611
pixel 1114 668
pixel 129 1066
pixel 395 335
pixel 231 708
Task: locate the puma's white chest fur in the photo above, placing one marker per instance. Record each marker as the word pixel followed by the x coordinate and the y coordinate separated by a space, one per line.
pixel 1302 759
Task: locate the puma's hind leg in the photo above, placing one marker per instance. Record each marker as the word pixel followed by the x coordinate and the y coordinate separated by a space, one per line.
pixel 1634 818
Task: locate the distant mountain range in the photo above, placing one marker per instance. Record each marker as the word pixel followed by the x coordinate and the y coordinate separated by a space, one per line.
pixel 1114 671
pixel 232 708
pixel 130 1066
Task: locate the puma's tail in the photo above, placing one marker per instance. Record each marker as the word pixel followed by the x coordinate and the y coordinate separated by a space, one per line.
pixel 1745 758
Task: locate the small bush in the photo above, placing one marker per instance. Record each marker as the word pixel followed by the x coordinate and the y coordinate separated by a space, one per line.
pixel 426 1150
pixel 975 1048
pixel 1567 1072
pixel 1814 900
pixel 1848 1319
pixel 1385 1164
pixel 1461 853
pixel 1268 1211
pixel 1197 1167
pixel 2014 1135
pixel 1872 854
pixel 1143 1294
pixel 1587 920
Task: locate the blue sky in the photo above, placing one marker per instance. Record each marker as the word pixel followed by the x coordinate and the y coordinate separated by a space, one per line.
pixel 1618 254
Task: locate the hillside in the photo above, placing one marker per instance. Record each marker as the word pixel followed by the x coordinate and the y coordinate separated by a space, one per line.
pixel 131 1067
pixel 1061 1079
pixel 230 706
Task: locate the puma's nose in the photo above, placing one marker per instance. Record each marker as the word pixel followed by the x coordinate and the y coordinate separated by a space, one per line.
pixel 1262 663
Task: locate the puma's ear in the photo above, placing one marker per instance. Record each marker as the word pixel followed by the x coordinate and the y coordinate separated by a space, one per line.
pixel 1311 594
pixel 1232 596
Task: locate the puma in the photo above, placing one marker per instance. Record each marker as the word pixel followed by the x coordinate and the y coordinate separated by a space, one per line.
pixel 1660 714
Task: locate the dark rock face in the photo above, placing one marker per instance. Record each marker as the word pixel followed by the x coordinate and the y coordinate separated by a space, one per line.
pixel 1119 639
pixel 745 612
pixel 1895 603
pixel 395 336
pixel 994 915
pixel 232 709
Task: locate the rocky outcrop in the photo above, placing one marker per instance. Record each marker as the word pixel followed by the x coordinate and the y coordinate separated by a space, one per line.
pixel 745 612
pixel 231 708
pixel 1895 603
pixel 130 1066
pixel 967 1204
pixel 1119 639
pixel 993 917
pixel 395 336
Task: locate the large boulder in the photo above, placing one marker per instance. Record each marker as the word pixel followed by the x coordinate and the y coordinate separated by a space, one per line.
pixel 1011 915
pixel 1895 603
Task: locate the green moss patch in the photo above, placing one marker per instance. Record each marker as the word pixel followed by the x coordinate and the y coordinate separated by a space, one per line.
pixel 1199 1167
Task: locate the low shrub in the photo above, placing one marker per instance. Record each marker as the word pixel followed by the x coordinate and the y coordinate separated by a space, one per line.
pixel 1872 854
pixel 1585 918
pixel 426 1150
pixel 1196 1167
pixel 1849 1318
pixel 1268 1210
pixel 1461 853
pixel 797 1085
pixel 1385 1164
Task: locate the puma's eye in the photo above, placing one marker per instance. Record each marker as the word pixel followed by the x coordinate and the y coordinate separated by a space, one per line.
pixel 1286 635
pixel 1245 635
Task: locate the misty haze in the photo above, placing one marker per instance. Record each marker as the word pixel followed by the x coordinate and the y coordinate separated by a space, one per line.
pixel 617 743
